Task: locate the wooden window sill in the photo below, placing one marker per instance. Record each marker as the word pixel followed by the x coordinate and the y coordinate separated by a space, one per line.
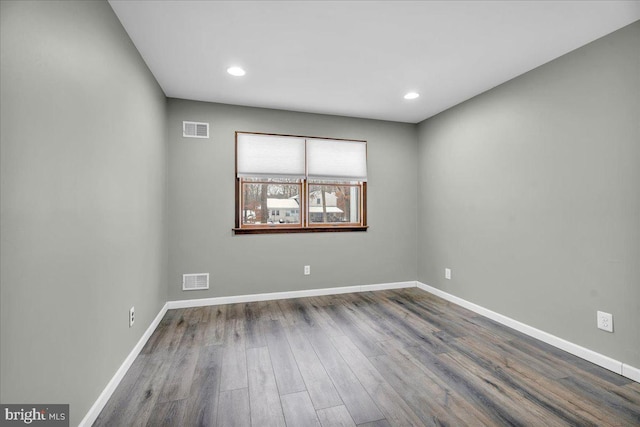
pixel 288 230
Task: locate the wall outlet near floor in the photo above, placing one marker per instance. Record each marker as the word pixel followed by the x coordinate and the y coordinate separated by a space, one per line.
pixel 447 273
pixel 307 270
pixel 132 316
pixel 605 321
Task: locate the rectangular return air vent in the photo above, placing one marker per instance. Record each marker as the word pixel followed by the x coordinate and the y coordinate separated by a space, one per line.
pixel 194 282
pixel 195 130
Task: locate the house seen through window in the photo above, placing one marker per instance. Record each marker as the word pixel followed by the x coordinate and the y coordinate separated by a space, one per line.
pixel 299 184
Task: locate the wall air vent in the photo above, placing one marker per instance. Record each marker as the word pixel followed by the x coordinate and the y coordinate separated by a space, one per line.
pixel 195 130
pixel 195 282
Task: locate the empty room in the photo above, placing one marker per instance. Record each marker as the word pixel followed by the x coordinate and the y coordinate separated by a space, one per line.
pixel 319 213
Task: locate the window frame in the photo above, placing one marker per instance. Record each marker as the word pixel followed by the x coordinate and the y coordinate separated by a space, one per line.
pixel 239 205
pixel 360 185
pixel 304 226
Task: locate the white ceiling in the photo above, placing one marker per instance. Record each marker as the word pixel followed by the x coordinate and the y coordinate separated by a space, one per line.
pixel 357 58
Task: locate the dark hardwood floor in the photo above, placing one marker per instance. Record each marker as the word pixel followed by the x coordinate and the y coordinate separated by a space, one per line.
pixel 388 358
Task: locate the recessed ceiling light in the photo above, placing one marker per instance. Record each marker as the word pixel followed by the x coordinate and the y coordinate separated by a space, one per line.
pixel 411 95
pixel 236 71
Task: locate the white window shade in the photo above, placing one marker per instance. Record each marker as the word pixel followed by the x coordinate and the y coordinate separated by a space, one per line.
pixel 336 160
pixel 270 156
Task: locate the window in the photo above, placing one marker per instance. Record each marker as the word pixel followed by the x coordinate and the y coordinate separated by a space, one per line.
pixel 264 198
pixel 289 184
pixel 339 203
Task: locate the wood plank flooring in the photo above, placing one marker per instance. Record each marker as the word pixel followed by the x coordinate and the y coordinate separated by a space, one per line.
pixel 387 358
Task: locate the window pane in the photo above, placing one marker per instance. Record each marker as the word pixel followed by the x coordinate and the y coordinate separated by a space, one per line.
pixel 270 202
pixel 334 203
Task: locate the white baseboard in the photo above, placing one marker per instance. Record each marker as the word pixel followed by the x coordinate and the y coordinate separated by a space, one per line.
pixel 631 372
pixel 286 295
pixel 582 352
pixel 104 397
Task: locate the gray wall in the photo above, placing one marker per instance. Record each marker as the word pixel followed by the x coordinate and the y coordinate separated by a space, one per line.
pixel 202 207
pixel 83 195
pixel 531 194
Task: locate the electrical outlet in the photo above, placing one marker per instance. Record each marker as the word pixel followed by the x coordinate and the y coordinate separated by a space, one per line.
pixel 132 316
pixel 307 270
pixel 605 321
pixel 447 273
